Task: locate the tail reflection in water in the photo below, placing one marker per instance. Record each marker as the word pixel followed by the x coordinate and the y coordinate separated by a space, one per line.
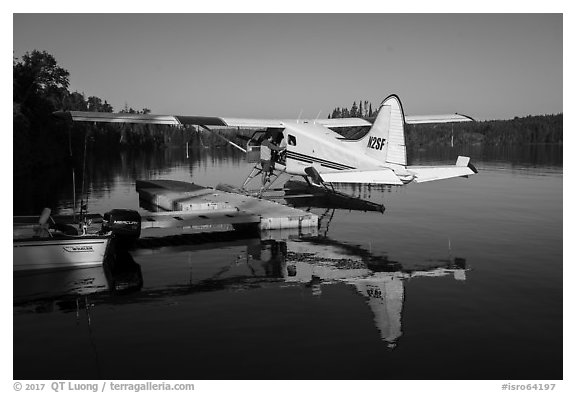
pixel 385 296
pixel 379 280
pixel 311 263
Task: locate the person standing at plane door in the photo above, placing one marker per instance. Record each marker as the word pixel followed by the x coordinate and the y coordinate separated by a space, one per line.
pixel 283 146
pixel 266 158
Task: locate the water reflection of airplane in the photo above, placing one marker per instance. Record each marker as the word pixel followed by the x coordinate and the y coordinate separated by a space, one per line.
pixel 319 261
pixel 377 278
pixel 312 263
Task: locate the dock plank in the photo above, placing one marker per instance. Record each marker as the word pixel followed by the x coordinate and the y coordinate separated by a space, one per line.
pixel 196 219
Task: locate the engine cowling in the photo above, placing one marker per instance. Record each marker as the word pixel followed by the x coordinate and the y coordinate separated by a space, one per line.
pixel 125 224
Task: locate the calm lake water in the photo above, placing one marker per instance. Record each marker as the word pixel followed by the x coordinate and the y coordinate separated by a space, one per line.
pixel 457 279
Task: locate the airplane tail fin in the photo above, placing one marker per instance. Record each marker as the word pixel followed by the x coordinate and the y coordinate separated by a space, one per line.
pixel 385 141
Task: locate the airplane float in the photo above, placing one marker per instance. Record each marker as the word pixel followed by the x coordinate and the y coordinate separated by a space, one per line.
pixel 318 153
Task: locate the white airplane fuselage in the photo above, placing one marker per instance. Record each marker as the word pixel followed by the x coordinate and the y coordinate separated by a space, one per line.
pixel 314 145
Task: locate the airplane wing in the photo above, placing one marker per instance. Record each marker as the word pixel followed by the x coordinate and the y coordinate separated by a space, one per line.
pixel 426 119
pixel 344 122
pixel 109 117
pixel 417 119
pixel 401 175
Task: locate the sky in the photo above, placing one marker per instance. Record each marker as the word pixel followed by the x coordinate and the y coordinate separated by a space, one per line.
pixel 488 66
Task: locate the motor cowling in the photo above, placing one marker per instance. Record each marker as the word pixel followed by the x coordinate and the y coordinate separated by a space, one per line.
pixel 125 224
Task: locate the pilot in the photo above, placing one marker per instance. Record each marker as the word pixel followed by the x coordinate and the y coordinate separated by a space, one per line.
pixel 266 158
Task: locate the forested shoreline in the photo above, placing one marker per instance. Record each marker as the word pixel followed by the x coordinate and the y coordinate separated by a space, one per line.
pixel 540 129
pixel 40 87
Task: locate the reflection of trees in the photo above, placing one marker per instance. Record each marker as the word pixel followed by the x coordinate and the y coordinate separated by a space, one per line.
pixel 40 189
pixel 134 164
pixel 46 187
pixel 514 155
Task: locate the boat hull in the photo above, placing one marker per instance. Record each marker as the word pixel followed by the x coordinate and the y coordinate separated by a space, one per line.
pixel 62 252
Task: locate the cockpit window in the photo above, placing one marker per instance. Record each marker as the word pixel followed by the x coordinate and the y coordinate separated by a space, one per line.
pixel 291 140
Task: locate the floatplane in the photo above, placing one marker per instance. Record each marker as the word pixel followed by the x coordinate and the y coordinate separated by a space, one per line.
pixel 316 151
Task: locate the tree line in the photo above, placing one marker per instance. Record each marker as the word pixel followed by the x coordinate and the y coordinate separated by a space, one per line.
pixel 364 109
pixel 40 87
pixel 541 129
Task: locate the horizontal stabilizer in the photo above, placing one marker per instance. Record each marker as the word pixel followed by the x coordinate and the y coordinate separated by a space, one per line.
pixel 462 161
pixel 424 174
pixel 373 176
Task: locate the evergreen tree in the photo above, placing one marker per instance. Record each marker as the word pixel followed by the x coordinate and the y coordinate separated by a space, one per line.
pixel 354 110
pixel 106 107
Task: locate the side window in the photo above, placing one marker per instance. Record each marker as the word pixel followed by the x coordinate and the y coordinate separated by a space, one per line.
pixel 291 140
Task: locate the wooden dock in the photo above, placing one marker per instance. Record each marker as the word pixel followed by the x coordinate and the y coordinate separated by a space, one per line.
pixel 180 204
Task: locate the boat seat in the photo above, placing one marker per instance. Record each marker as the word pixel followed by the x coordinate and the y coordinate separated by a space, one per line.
pixel 66 229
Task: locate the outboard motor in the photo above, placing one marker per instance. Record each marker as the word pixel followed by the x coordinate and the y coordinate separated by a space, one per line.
pixel 125 224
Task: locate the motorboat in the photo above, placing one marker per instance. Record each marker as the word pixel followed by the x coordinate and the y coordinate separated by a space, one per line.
pixel 42 243
pixel 46 242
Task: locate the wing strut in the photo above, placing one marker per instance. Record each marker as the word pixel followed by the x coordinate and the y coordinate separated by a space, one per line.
pixel 224 139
